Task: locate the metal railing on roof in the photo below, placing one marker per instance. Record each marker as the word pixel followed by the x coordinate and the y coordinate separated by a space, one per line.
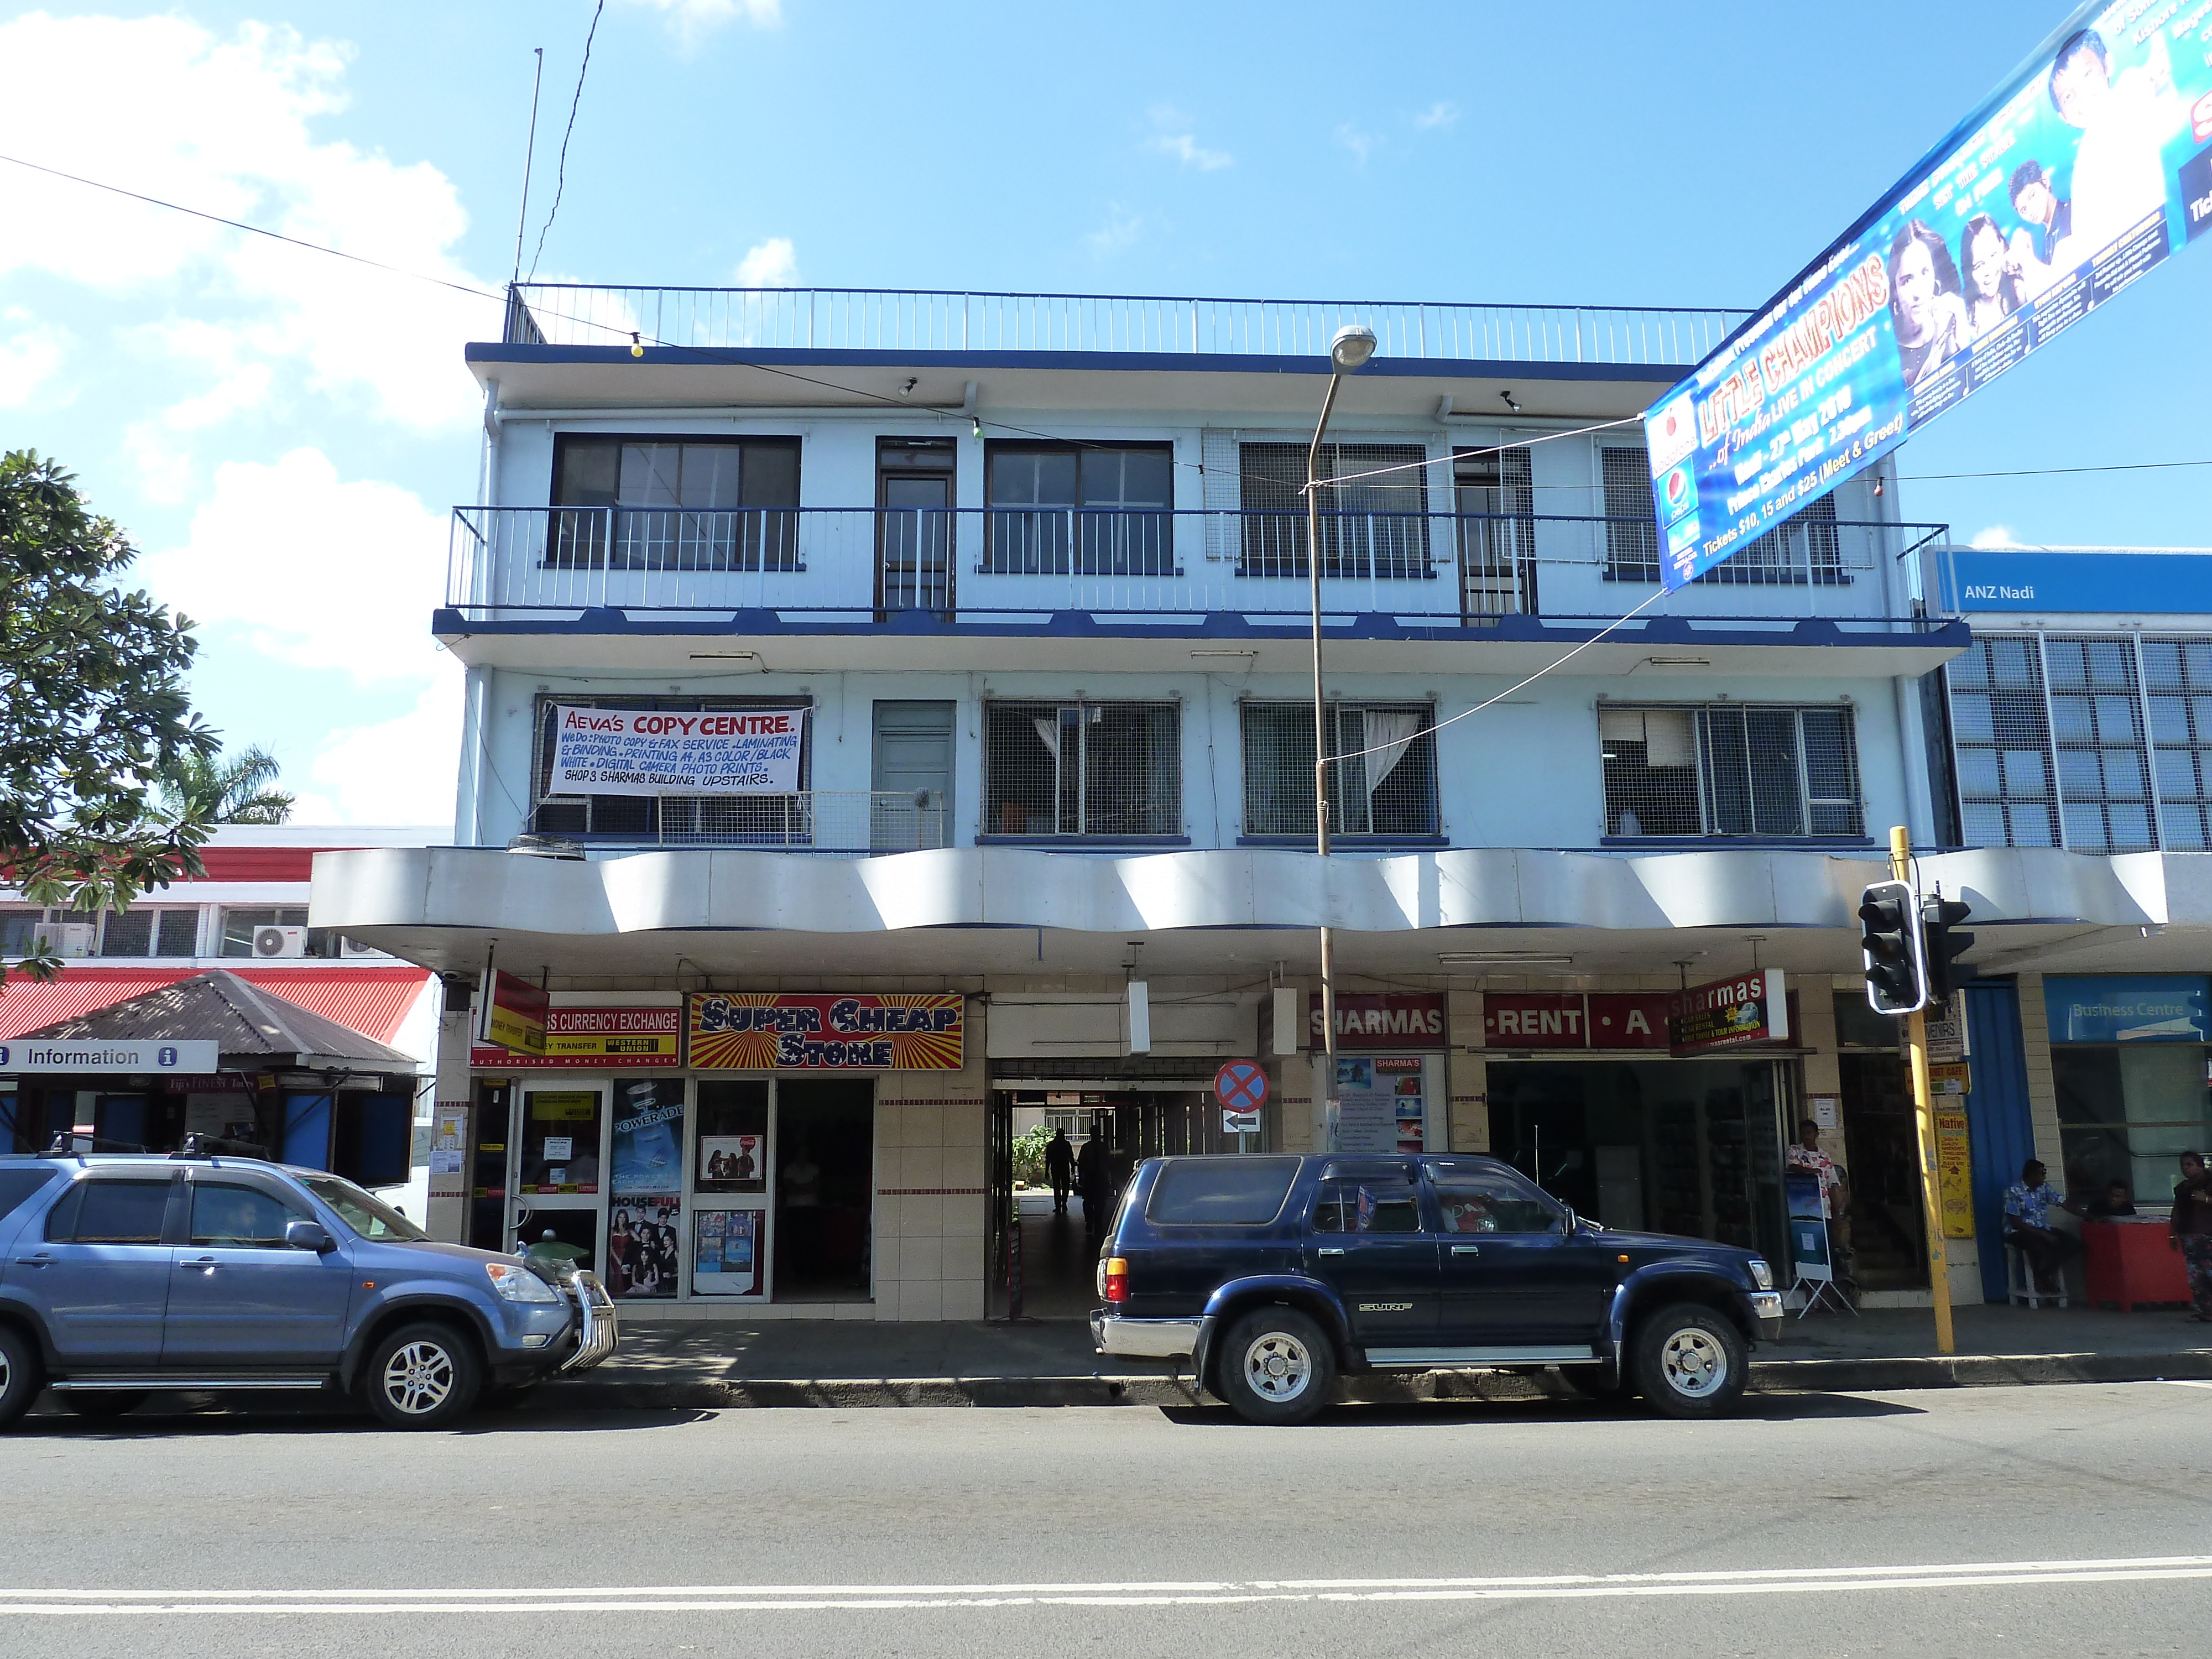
pixel 741 319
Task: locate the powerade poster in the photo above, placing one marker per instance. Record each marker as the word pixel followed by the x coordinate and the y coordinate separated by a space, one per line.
pixel 648 1149
pixel 2082 173
pixel 623 751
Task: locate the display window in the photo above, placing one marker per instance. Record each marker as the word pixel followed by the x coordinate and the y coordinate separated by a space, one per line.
pixel 731 1161
pixel 645 1187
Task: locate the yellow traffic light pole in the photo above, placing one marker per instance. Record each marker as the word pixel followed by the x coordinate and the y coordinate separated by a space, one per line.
pixel 1923 1118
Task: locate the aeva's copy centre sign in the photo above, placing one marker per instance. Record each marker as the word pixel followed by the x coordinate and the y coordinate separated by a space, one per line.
pixel 629 752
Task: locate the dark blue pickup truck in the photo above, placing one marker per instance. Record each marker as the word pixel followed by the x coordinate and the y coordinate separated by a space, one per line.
pixel 1277 1273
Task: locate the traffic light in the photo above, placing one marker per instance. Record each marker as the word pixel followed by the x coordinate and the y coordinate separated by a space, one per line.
pixel 1940 947
pixel 1889 941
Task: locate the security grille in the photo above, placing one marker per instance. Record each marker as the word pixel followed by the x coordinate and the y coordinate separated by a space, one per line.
pixel 1107 770
pixel 1632 524
pixel 1494 495
pixel 2000 744
pixel 1805 547
pixel 1392 791
pixel 2096 728
pixel 2178 680
pixel 1375 527
pixel 760 820
pixel 1731 769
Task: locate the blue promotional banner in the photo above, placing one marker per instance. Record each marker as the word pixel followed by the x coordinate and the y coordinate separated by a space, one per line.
pixel 2085 170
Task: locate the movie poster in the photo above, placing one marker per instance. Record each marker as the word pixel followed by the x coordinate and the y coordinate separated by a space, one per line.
pixel 727 1252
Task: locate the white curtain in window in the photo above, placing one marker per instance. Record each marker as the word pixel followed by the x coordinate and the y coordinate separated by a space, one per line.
pixel 1047 731
pixel 1389 735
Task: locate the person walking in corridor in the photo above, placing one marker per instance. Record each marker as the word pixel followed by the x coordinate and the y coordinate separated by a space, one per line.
pixel 1060 1164
pixel 1094 1180
pixel 2192 1232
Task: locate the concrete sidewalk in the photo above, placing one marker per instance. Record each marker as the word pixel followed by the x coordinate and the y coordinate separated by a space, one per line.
pixel 846 1363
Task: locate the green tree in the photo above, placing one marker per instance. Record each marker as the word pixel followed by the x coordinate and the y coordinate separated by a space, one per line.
pixel 93 693
pixel 234 789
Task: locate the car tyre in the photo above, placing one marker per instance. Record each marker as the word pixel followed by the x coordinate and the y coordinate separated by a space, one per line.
pixel 421 1377
pixel 1275 1366
pixel 21 1376
pixel 1689 1360
pixel 103 1405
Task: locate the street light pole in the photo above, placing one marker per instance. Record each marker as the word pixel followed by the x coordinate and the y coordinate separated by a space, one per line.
pixel 1353 345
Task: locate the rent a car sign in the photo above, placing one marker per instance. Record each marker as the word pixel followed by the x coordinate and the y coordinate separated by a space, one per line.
pixel 631 751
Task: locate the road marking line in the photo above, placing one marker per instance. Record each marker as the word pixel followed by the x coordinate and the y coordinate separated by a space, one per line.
pixel 540 1600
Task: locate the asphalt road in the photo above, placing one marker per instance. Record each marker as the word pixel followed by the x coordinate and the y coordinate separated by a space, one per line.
pixel 2056 1521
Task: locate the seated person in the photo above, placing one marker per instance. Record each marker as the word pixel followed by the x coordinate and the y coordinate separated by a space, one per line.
pixel 2028 1205
pixel 2115 1200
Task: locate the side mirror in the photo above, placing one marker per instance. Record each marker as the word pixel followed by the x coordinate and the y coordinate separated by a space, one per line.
pixel 309 1236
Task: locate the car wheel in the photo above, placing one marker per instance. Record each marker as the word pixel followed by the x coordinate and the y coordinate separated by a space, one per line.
pixel 1690 1361
pixel 422 1376
pixel 1275 1366
pixel 21 1375
pixel 102 1404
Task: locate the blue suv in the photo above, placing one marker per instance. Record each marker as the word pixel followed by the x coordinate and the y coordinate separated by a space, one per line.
pixel 1277 1273
pixel 121 1275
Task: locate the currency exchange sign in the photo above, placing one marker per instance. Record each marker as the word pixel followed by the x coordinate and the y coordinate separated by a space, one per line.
pixel 2088 167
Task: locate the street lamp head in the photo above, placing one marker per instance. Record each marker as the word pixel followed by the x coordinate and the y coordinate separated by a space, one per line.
pixel 1353 345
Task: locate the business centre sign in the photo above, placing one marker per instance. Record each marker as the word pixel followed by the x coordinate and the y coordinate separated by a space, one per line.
pixel 2087 168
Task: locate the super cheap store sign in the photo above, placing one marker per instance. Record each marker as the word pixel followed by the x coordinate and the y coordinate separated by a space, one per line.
pixel 624 751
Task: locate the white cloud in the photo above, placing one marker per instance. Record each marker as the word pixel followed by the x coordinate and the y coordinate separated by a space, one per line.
pixel 1442 115
pixel 1120 230
pixel 771 264
pixel 1361 145
pixel 692 18
pixel 1185 147
pixel 28 357
pixel 311 570
pixel 1997 535
pixel 161 106
pixel 395 771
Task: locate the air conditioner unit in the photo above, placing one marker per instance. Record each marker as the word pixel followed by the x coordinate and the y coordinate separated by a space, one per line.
pixel 71 939
pixel 354 947
pixel 280 941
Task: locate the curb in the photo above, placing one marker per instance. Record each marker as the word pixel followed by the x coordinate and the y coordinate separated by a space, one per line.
pixel 1776 1376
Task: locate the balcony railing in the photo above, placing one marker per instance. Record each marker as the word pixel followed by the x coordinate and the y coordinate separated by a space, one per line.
pixel 1025 564
pixel 907 319
pixel 813 820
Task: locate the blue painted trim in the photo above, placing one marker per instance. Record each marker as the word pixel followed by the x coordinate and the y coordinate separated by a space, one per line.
pixel 1732 843
pixel 1179 362
pixel 1347 843
pixel 447 623
pixel 1088 844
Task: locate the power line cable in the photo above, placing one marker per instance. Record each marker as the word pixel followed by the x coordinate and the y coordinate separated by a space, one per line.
pixel 561 172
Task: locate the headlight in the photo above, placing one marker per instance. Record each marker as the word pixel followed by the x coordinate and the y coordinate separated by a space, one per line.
pixel 518 1283
pixel 1761 1274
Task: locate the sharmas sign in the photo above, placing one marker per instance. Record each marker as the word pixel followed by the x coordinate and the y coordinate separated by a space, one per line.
pixel 628 751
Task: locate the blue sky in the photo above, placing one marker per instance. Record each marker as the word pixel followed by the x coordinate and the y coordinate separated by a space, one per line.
pixel 284 435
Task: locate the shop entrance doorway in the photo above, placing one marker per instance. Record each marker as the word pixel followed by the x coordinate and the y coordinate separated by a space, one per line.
pixel 1688 1146
pixel 1051 1271
pixel 824 1149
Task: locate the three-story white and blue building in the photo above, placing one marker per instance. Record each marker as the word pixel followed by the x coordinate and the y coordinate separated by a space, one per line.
pixel 1033 572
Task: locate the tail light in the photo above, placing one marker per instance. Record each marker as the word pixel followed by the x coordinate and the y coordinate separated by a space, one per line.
pixel 1117 1279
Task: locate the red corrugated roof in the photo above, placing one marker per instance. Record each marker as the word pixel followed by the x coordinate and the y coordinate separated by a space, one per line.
pixel 372 1001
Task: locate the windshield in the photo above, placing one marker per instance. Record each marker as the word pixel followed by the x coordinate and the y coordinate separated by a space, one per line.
pixel 371 1217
